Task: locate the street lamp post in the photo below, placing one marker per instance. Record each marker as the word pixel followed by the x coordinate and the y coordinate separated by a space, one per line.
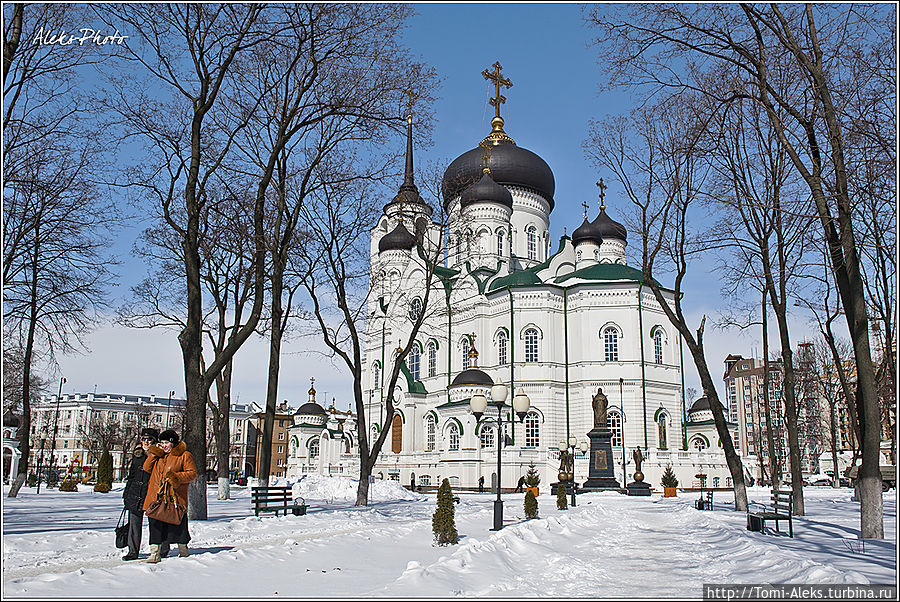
pixel 41 458
pixel 569 478
pixel 55 429
pixel 624 420
pixel 478 403
pixel 168 405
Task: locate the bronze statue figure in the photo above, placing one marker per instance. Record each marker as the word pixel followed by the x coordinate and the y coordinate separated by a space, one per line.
pixel 599 404
pixel 638 458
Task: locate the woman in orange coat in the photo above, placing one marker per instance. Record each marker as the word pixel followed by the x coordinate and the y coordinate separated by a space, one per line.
pixel 168 462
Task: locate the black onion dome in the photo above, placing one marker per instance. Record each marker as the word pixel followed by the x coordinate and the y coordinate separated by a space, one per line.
pixel 700 405
pixel 409 192
pixel 472 376
pixel 486 191
pixel 510 165
pixel 311 409
pixel 587 232
pixel 609 228
pixel 398 239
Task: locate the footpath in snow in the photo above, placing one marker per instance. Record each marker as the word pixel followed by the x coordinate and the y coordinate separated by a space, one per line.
pixel 62 545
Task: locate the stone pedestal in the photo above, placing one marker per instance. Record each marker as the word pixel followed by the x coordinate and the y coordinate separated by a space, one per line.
pixel 600 466
pixel 637 488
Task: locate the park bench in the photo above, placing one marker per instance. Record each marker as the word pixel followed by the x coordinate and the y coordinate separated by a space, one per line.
pixel 705 501
pixel 275 499
pixel 782 509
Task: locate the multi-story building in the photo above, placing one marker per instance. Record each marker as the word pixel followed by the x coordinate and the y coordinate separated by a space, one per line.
pixel 74 428
pixel 744 394
pixel 284 418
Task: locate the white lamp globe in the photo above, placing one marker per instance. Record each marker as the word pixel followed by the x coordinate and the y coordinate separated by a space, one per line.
pixel 499 392
pixel 583 446
pixel 521 403
pixel 478 403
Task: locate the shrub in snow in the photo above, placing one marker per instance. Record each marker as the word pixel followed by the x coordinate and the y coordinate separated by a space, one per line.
pixel 561 502
pixel 31 481
pixel 52 478
pixel 531 508
pixel 70 485
pixel 443 523
pixel 532 478
pixel 668 477
pixel 104 473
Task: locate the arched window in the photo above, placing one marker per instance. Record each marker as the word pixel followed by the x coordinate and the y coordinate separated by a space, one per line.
pixel 500 243
pixel 430 429
pixel 596 255
pixel 715 481
pixel 658 346
pixel 661 430
pixel 487 437
pixel 469 238
pixel 698 443
pixel 397 434
pixel 415 309
pixel 459 246
pixel 614 422
pixel 313 449
pixel 376 376
pixel 611 344
pixel 453 437
pixel 531 237
pixel 465 353
pixel 432 359
pixel 532 429
pixel 531 345
pixel 502 348
pixel 415 361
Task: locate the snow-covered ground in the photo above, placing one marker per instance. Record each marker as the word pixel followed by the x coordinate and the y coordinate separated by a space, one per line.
pixel 62 545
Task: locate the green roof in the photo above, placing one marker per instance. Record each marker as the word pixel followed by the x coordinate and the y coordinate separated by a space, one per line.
pixel 453 404
pixel 413 386
pixel 529 276
pixel 606 271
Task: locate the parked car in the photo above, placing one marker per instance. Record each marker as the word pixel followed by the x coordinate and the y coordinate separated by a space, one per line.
pixel 888 475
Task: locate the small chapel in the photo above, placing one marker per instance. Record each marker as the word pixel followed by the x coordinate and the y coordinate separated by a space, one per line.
pixel 557 320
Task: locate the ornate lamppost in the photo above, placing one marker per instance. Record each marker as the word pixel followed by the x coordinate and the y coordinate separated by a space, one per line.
pixel 478 403
pixel 568 477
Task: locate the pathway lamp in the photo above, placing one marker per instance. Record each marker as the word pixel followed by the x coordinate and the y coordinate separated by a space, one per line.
pixel 478 404
pixel 55 429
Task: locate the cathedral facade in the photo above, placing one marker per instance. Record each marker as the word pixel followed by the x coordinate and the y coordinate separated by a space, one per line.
pixel 557 320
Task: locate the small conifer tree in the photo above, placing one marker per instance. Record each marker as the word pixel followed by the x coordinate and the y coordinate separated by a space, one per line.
pixel 68 484
pixel 531 506
pixel 562 502
pixel 104 473
pixel 532 478
pixel 668 478
pixel 443 523
pixel 32 480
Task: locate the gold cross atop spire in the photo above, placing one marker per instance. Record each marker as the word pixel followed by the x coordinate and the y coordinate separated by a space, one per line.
pixel 585 205
pixel 409 104
pixel 497 135
pixel 497 77
pixel 473 353
pixel 602 188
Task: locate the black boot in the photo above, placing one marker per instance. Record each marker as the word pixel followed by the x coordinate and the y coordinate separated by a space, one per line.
pixel 130 556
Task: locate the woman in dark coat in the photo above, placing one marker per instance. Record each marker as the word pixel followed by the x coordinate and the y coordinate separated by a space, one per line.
pixel 136 492
pixel 168 462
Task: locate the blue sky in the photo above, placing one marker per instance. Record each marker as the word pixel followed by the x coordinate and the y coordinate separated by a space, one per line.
pixel 544 49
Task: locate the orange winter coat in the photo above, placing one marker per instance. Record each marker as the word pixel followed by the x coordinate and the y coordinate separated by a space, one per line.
pixel 177 467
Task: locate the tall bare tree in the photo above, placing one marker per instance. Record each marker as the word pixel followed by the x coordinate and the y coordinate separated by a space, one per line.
pixel 656 156
pixel 56 222
pixel 801 64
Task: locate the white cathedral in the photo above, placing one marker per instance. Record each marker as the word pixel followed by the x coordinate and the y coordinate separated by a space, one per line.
pixel 557 320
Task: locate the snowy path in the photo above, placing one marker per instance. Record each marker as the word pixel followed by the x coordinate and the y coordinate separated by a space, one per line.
pixel 57 544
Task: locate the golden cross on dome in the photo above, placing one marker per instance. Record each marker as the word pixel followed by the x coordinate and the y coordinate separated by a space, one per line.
pixel 497 77
pixel 602 188
pixel 585 205
pixel 486 155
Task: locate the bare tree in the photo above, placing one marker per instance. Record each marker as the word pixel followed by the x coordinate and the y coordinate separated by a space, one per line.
pixel 656 157
pixel 55 221
pixel 801 64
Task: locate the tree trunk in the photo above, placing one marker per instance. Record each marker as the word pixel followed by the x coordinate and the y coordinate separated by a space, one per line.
pixel 223 432
pixel 774 460
pixel 265 454
pixel 832 427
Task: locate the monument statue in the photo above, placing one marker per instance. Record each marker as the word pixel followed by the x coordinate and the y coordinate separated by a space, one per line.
pixel 566 462
pixel 638 458
pixel 599 404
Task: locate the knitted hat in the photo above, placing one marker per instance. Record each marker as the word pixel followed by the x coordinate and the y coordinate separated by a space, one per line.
pixel 170 436
pixel 151 433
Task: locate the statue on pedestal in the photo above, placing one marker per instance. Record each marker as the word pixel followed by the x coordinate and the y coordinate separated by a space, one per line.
pixel 599 404
pixel 638 457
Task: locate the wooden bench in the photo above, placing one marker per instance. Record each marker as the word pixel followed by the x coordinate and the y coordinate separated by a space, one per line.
pixel 782 509
pixel 272 499
pixel 705 501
